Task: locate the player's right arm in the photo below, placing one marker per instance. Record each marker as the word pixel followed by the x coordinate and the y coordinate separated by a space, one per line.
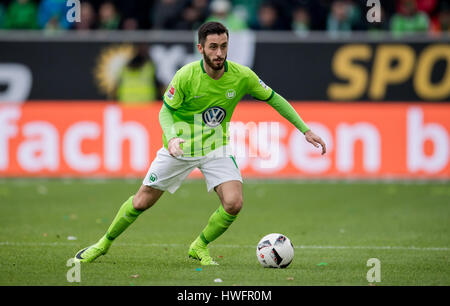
pixel 172 100
pixel 168 126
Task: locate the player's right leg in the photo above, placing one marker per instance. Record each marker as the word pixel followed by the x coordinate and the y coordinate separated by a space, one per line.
pixel 127 214
pixel 165 173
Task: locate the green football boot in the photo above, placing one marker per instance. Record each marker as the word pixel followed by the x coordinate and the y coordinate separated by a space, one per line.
pixel 91 253
pixel 201 253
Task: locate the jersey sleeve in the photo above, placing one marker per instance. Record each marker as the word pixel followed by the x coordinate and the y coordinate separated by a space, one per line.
pixel 174 96
pixel 257 88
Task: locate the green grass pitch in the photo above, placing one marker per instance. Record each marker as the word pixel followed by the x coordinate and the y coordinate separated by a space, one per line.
pixel 335 228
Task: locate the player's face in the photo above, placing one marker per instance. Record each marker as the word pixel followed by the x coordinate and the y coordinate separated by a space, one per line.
pixel 215 50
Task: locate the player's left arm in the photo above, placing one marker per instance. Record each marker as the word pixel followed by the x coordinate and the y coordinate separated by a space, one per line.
pixel 285 109
pixel 259 90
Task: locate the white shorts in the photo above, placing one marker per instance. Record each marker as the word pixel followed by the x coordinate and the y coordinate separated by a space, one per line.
pixel 167 172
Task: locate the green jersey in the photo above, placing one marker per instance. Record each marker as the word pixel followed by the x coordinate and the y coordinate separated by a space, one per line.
pixel 202 107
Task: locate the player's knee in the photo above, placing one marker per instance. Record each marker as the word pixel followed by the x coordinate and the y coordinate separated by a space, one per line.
pixel 233 205
pixel 145 198
pixel 140 202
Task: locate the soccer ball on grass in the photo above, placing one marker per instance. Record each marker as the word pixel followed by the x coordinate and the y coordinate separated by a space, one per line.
pixel 275 251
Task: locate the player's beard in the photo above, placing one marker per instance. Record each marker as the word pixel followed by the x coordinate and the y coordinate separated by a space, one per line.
pixel 212 64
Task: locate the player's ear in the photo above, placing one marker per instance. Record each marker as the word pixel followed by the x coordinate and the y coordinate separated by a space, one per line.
pixel 200 48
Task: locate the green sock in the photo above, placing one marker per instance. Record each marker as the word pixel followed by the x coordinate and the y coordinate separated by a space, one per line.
pixel 127 214
pixel 218 223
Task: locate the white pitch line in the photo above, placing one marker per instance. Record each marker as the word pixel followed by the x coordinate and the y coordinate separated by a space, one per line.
pixel 410 248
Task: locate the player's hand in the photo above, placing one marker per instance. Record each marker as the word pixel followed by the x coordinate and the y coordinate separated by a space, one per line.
pixel 315 141
pixel 174 146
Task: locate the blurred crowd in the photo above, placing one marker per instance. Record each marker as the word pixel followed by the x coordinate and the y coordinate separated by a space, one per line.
pixel 300 16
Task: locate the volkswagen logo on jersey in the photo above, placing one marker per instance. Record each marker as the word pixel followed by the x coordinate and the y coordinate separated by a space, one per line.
pixel 214 116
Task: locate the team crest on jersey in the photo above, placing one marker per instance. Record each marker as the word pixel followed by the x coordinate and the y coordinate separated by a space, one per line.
pixel 262 84
pixel 171 92
pixel 214 116
pixel 230 94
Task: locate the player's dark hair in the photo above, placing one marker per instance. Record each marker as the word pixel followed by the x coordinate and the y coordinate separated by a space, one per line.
pixel 210 28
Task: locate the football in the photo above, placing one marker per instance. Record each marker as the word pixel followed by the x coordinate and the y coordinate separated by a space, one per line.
pixel 275 251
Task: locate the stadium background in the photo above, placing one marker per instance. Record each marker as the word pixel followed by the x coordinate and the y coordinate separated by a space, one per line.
pixel 377 93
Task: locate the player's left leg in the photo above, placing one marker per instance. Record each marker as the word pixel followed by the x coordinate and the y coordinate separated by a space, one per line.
pixel 230 195
pixel 222 175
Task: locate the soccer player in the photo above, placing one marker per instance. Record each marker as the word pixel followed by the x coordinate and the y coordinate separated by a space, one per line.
pixel 198 104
